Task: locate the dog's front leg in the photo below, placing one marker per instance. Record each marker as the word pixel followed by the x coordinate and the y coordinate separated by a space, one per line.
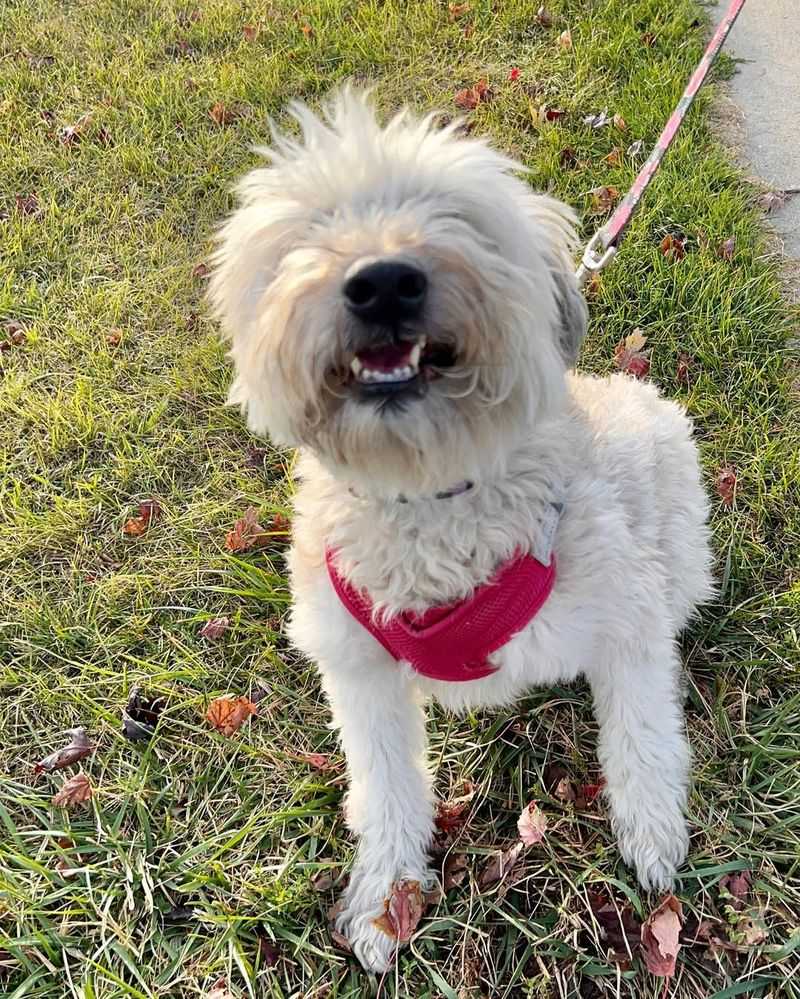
pixel 379 714
pixel 645 758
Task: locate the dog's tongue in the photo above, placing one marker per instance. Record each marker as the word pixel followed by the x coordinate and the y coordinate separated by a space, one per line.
pixel 386 358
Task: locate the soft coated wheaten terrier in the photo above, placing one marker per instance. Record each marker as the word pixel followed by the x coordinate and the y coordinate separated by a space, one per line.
pixel 472 519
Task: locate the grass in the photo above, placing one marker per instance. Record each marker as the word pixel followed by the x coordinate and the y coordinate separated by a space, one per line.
pixel 195 848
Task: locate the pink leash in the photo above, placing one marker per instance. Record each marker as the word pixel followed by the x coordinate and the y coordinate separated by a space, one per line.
pixel 604 244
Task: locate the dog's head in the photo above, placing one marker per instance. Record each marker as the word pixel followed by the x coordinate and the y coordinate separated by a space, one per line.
pixel 398 301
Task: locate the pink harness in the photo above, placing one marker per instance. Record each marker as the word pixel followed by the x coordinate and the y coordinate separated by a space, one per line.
pixel 454 642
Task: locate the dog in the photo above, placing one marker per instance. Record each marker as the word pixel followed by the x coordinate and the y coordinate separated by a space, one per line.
pixel 403 310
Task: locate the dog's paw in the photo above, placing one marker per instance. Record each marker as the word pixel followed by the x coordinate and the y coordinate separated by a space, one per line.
pixel 655 851
pixel 373 948
pixel 363 902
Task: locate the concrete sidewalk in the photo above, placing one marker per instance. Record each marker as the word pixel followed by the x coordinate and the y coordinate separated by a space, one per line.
pixel 766 90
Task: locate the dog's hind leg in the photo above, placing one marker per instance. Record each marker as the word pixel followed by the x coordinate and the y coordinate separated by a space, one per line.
pixel 379 713
pixel 645 757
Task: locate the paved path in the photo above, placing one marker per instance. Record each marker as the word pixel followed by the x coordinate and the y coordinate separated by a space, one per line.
pixel 767 91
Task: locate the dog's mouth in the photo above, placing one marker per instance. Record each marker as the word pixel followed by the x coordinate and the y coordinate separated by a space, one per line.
pixel 399 368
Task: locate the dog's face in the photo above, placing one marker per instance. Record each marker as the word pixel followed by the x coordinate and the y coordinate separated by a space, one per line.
pixel 397 300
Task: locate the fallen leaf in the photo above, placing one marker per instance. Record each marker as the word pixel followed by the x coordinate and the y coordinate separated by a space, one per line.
pixel 727 248
pixel 648 39
pixel 307 30
pixel 660 934
pixel 550 114
pixel 325 879
pixel 736 886
pixel 103 136
pixel 186 17
pixel 772 200
pixel 455 870
pixel 269 951
pixel 565 40
pixel 683 371
pixel 599 120
pixel 614 158
pixel 280 524
pixel 256 456
pixel 513 75
pixel 250 32
pixel 140 716
pixel 469 98
pixel 456 10
pixel 149 510
pixel 27 204
pixel 247 533
pixel 500 864
pixel 403 911
pixel 319 761
pixel 450 816
pixel 620 926
pixel 634 150
pixel 114 338
pixel 201 270
pixel 619 123
pixel 751 930
pixel 228 714
pixel 543 17
pixel 338 938
pixel 725 484
pixel 532 824
pixel 673 246
pixel 78 748
pixel 565 790
pixel 629 357
pixel 568 158
pixel 219 991
pixel 69 135
pixel 74 791
pixel 593 286
pixel 603 198
pixel 215 628
pixel 591 791
pixel 222 114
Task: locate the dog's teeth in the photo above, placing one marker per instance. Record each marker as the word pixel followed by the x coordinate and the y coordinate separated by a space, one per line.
pixel 416 353
pixel 356 366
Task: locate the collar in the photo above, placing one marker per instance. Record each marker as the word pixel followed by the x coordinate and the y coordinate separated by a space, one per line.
pixel 460 487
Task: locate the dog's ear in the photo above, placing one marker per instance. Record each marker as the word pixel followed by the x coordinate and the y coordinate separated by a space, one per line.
pixel 557 223
pixel 573 316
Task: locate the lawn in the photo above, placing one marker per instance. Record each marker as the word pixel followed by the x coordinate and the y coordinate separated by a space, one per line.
pixel 203 859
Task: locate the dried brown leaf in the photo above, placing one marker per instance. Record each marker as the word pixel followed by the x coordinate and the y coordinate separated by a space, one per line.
pixel 455 870
pixel 27 204
pixel 603 198
pixel 77 748
pixel 219 991
pixel 629 356
pixel 683 371
pixel 565 40
pixel 215 628
pixel 456 10
pixel 224 114
pixel 469 98
pixel 228 714
pixel 727 249
pixel 543 17
pixel 532 824
pixel 403 910
pixel 568 158
pixel 499 865
pixel 250 32
pixel 149 511
pixel 673 246
pixel 736 887
pixel 660 933
pixel 75 791
pixel 614 158
pixel 72 134
pixel 201 270
pixel 619 123
pixel 140 716
pixel 319 761
pixel 451 815
pixel 114 338
pixel 247 533
pixel 725 484
pixel 620 926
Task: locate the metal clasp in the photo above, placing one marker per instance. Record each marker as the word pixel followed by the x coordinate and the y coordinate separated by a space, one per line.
pixel 596 256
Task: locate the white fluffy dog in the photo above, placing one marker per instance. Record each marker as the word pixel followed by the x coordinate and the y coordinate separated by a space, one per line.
pixel 403 309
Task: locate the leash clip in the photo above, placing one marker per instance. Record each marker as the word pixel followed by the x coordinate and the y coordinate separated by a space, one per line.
pixel 596 256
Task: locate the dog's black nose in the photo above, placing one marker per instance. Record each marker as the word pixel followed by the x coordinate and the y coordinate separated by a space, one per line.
pixel 386 291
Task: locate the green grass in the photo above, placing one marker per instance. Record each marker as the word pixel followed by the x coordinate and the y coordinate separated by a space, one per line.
pixel 195 846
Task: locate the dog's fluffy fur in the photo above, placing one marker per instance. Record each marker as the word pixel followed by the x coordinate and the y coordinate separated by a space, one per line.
pixel 632 543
